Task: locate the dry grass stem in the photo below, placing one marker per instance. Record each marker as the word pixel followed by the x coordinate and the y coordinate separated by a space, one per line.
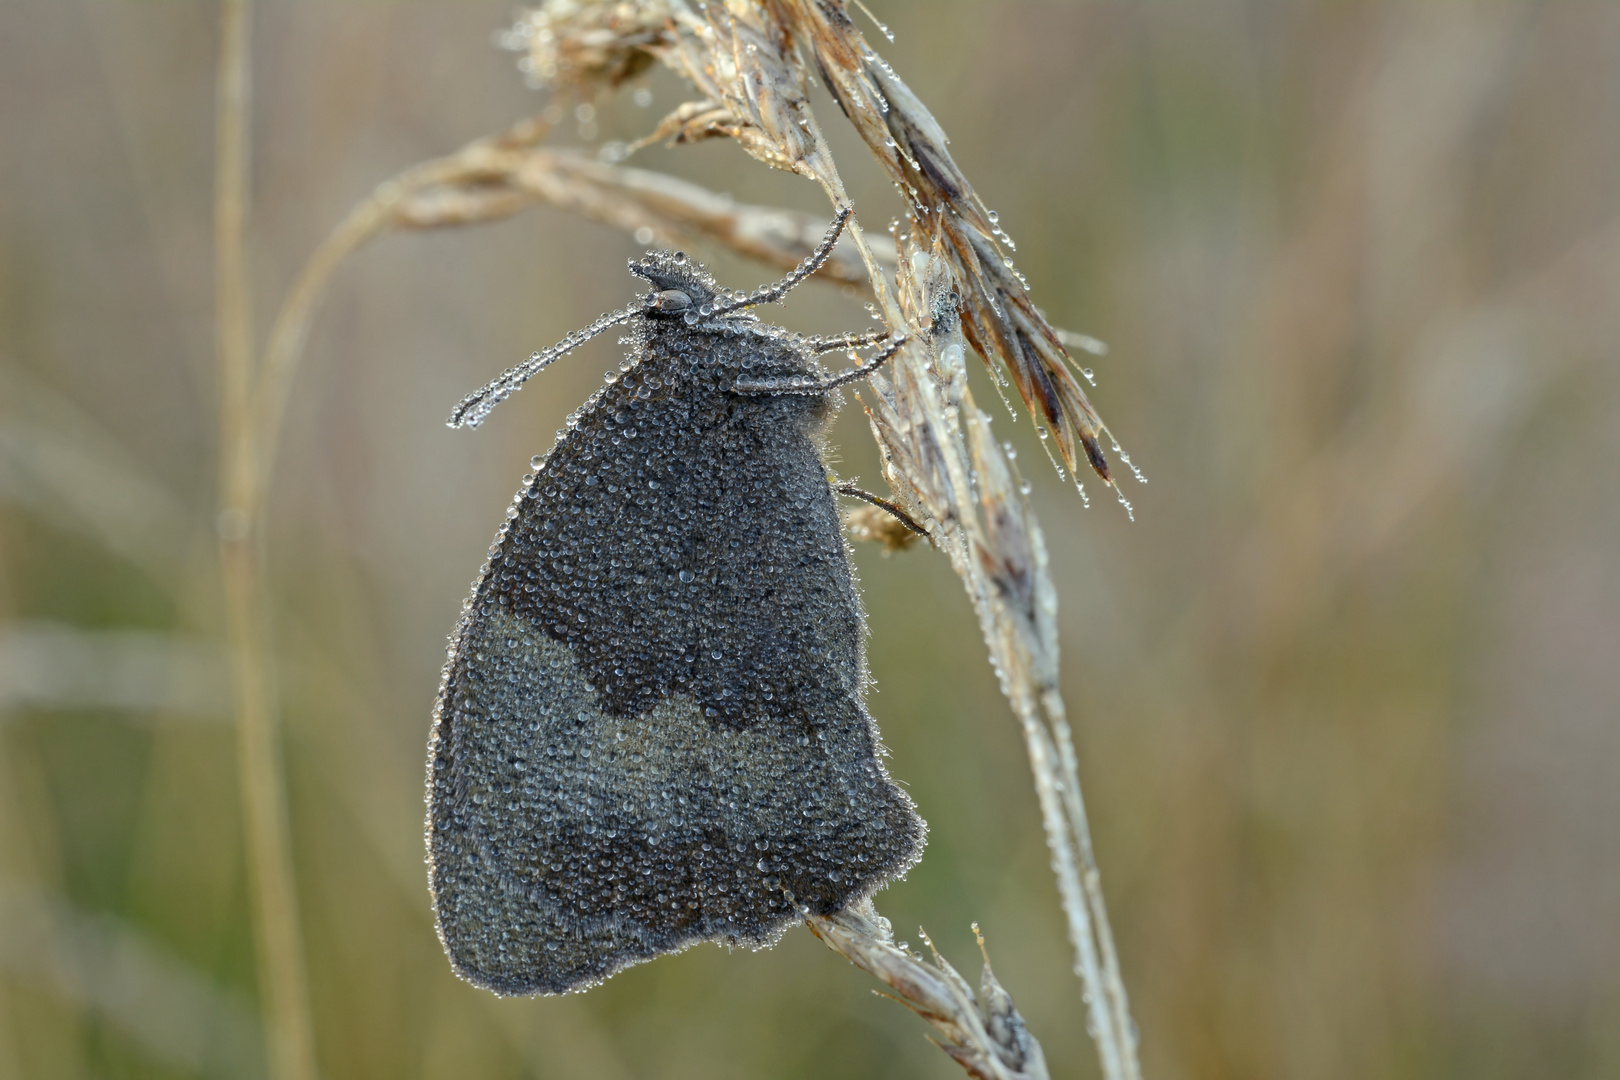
pixel 654 206
pixel 954 288
pixel 279 947
pixel 984 1033
pixel 938 445
pixel 495 178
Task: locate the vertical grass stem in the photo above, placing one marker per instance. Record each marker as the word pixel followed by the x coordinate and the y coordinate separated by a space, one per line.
pixel 278 943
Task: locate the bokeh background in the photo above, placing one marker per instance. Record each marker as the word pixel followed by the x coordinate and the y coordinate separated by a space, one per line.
pixel 1347 691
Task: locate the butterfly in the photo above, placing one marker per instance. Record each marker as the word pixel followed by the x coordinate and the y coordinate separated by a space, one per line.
pixel 651 728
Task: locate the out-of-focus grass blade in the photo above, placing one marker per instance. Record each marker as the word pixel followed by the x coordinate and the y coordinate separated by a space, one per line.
pixel 60 464
pixel 54 666
pixel 177 1015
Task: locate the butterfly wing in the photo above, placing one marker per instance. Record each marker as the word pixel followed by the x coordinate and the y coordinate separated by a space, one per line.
pixel 651 729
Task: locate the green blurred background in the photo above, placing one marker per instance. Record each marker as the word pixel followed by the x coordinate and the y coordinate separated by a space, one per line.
pixel 1347 692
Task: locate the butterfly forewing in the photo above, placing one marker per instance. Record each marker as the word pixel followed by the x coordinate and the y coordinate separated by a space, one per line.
pixel 651 729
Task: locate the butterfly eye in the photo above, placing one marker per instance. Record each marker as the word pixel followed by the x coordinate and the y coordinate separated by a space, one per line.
pixel 670 300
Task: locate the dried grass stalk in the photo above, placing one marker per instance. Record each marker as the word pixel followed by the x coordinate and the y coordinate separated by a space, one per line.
pixel 655 206
pixel 278 941
pixel 494 178
pixel 998 317
pixel 938 447
pixel 984 1033
pixel 751 61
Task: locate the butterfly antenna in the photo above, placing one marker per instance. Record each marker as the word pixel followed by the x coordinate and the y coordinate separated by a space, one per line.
pixel 475 406
pixel 769 294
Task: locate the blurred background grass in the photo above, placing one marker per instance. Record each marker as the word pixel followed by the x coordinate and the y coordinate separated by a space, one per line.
pixel 1348 691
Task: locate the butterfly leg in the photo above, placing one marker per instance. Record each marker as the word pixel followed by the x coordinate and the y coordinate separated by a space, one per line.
pixel 882 504
pixel 803 385
pixel 819 345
